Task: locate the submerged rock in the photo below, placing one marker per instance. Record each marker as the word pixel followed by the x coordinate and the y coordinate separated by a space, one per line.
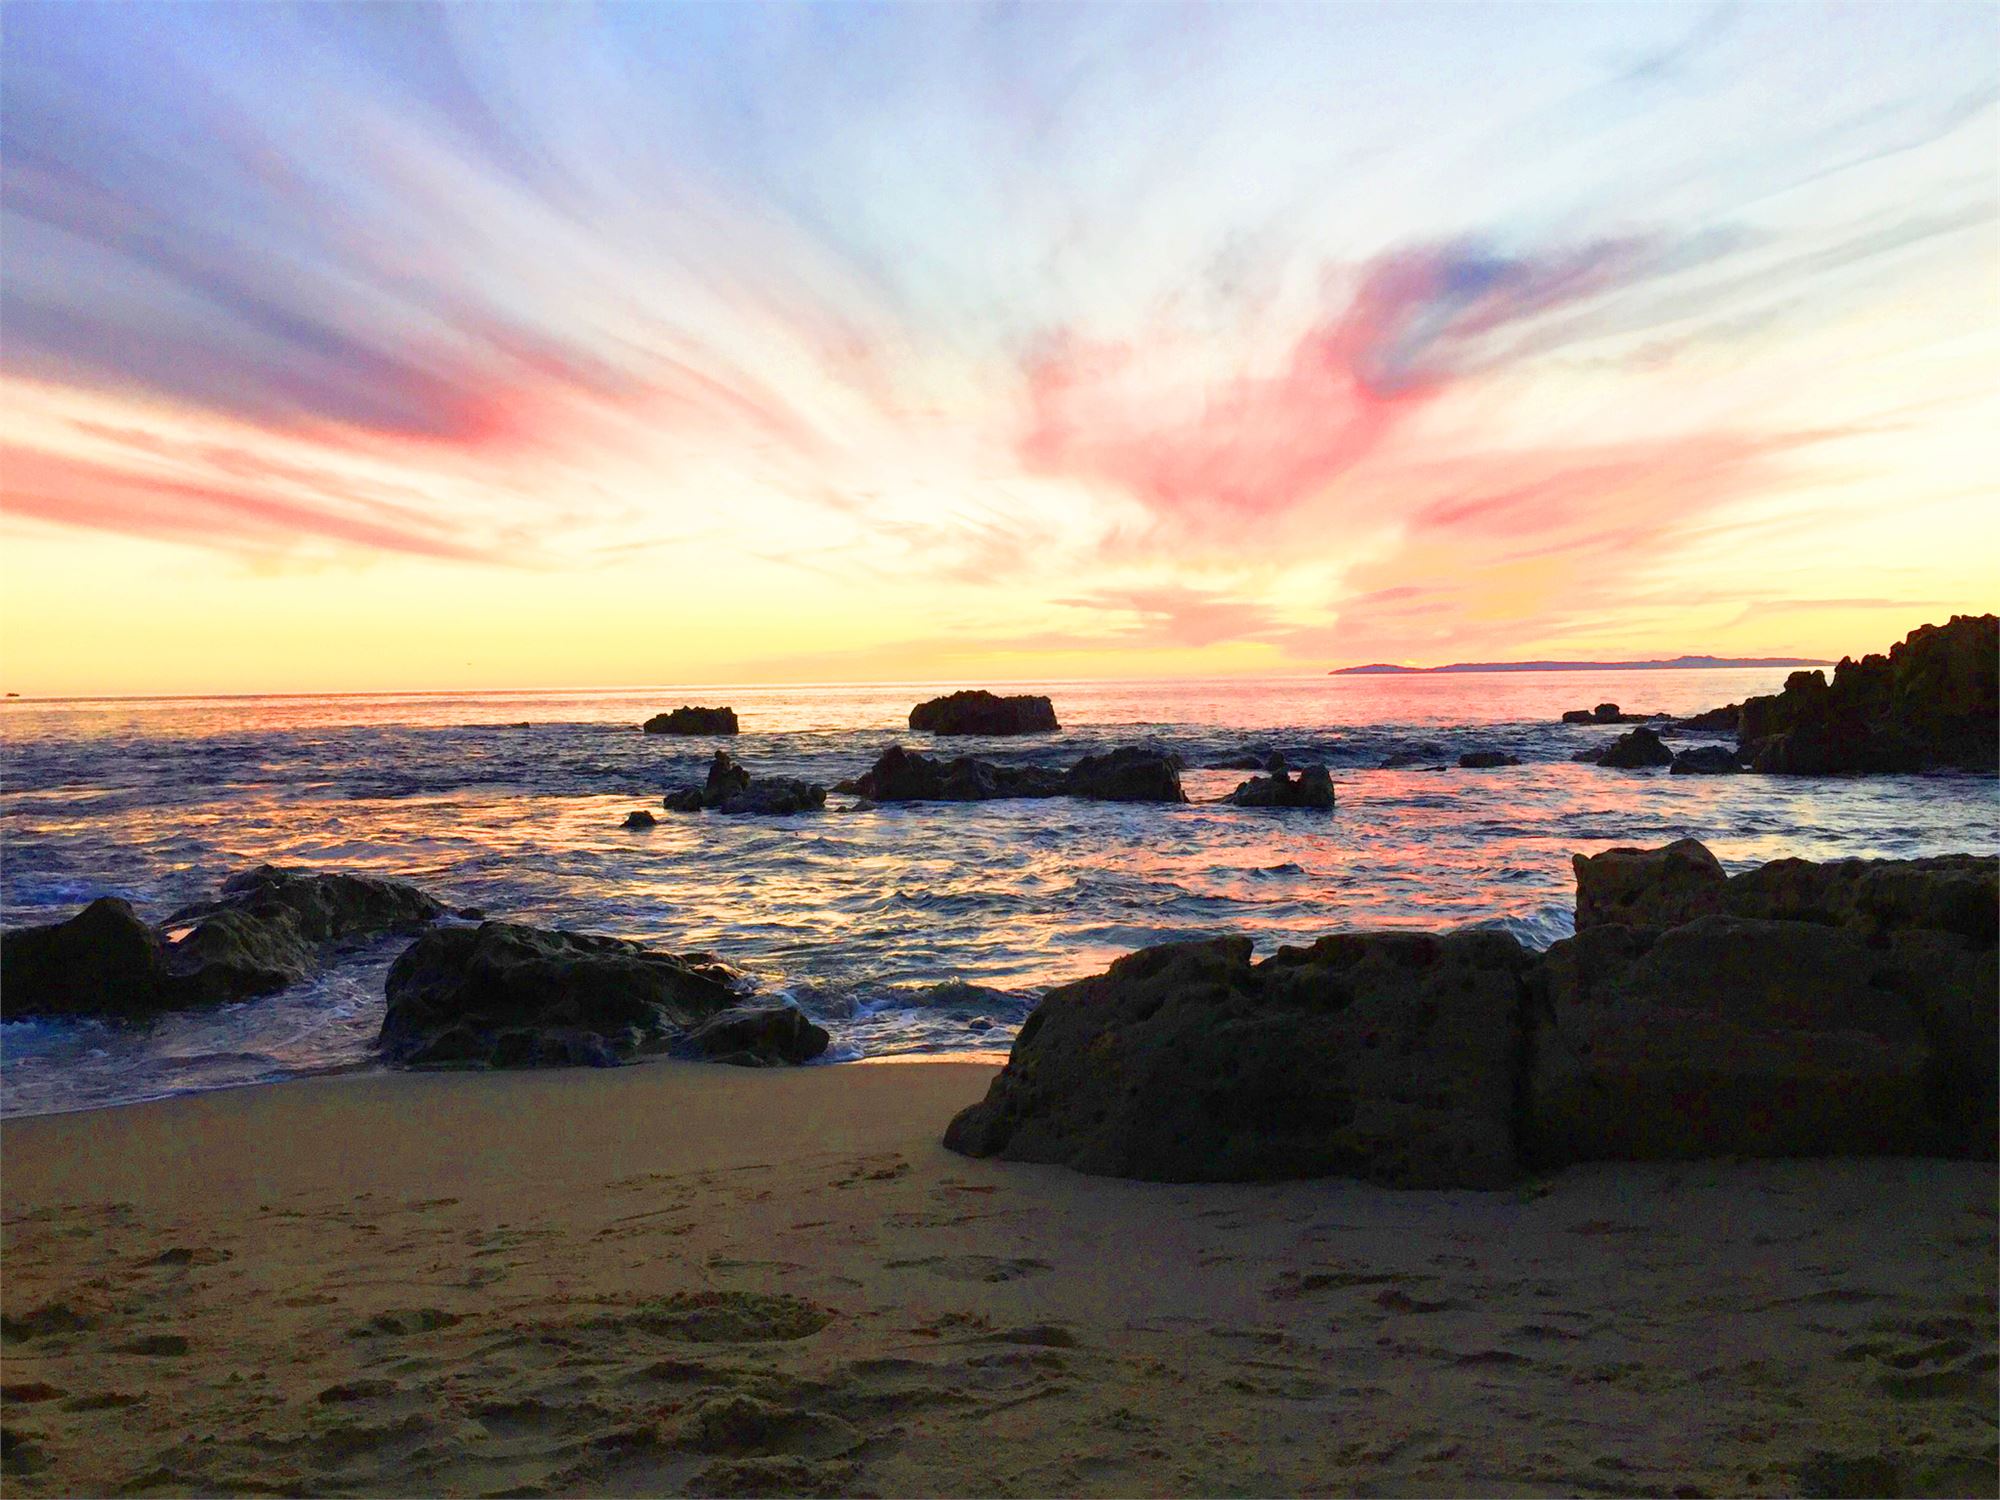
pixel 1128 774
pixel 1707 760
pixel 640 819
pixel 1637 750
pixel 102 961
pixel 976 711
pixel 1312 788
pixel 731 789
pixel 1932 702
pixel 1482 760
pixel 756 1036
pixel 1385 1056
pixel 508 996
pixel 691 720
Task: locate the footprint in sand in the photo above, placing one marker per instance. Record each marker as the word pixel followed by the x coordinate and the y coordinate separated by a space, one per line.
pixel 725 1317
pixel 988 1268
pixel 156 1346
pixel 402 1322
pixel 739 1424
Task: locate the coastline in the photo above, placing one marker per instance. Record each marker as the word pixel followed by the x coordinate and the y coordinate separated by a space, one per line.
pixel 683 1278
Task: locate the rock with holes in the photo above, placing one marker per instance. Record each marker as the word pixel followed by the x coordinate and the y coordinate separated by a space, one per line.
pixel 1390 1057
pixel 502 995
pixel 979 712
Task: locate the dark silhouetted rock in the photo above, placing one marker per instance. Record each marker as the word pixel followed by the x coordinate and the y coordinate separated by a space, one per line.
pixel 731 789
pixel 1250 760
pixel 1385 1056
pixel 1605 713
pixel 640 819
pixel 1312 788
pixel 1579 716
pixel 1727 1037
pixel 1608 713
pixel 1707 760
pixel 102 961
pixel 1589 757
pixel 1485 760
pixel 683 799
pixel 1128 774
pixel 1723 719
pixel 756 1036
pixel 689 720
pixel 508 996
pixel 1951 893
pixel 1636 750
pixel 1932 702
pixel 1648 887
pixel 979 712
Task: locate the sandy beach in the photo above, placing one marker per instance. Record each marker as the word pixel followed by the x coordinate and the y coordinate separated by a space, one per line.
pixel 688 1279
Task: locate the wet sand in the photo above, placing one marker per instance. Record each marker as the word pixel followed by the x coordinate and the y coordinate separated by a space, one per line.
pixel 679 1278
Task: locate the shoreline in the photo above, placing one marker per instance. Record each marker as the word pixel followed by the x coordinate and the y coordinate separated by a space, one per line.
pixel 686 1278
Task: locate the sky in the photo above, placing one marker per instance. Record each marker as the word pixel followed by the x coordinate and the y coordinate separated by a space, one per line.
pixel 390 346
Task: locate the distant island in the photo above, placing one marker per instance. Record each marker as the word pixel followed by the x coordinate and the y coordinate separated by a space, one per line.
pixel 1677 664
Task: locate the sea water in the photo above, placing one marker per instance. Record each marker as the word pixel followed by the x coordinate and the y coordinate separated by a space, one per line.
pixel 905 929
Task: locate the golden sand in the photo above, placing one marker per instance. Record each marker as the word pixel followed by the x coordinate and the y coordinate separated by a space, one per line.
pixel 678 1278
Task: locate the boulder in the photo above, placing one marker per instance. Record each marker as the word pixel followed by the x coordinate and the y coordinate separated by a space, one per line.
pixel 756 1036
pixel 1579 716
pixel 640 819
pixel 1312 788
pixel 980 712
pixel 1390 1057
pixel 1483 760
pixel 1636 750
pixel 1727 1036
pixel 508 996
pixel 1724 719
pixel 690 720
pixel 1648 887
pixel 1933 702
pixel 1605 713
pixel 731 789
pixel 1128 774
pixel 1706 760
pixel 102 961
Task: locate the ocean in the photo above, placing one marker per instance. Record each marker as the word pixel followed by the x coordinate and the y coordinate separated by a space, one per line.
pixel 907 930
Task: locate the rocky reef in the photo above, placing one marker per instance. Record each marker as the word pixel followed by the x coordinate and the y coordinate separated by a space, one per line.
pixel 688 719
pixel 976 711
pixel 1130 773
pixel 730 788
pixel 1796 1009
pixel 1312 788
pixel 270 927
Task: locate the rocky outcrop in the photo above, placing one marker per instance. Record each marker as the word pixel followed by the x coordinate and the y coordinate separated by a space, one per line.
pixel 1800 1009
pixel 1129 774
pixel 271 927
pixel 1932 702
pixel 102 961
pixel 756 1036
pixel 1486 760
pixel 1638 750
pixel 1312 788
pixel 1648 887
pixel 1607 713
pixel 731 789
pixel 507 996
pixel 979 712
pixel 1391 1057
pixel 690 720
pixel 640 819
pixel 1725 719
pixel 1707 760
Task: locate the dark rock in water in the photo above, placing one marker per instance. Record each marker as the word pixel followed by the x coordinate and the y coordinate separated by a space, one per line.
pixel 1706 760
pixel 509 996
pixel 1589 757
pixel 1637 750
pixel 1932 702
pixel 689 720
pixel 1608 713
pixel 102 961
pixel 979 712
pixel 235 954
pixel 1725 718
pixel 1482 760
pixel 1426 753
pixel 1128 774
pixel 1605 713
pixel 472 913
pixel 640 819
pixel 1648 887
pixel 1390 1057
pixel 1312 788
pixel 756 1036
pixel 731 789
pixel 1727 1037
pixel 1579 716
pixel 1250 760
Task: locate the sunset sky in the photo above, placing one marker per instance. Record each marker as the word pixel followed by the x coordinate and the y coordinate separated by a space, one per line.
pixel 562 345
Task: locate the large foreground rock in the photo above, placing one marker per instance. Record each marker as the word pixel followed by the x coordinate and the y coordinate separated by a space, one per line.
pixel 1730 1036
pixel 1648 887
pixel 1390 1057
pixel 511 997
pixel 688 719
pixel 1933 701
pixel 102 961
pixel 979 712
